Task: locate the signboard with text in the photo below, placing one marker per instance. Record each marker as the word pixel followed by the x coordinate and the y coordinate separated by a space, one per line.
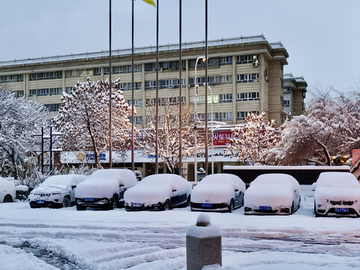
pixel 222 137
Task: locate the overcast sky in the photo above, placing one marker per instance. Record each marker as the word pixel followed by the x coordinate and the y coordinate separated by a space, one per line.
pixel 322 37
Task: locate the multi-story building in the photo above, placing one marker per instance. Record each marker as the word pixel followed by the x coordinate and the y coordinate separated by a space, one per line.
pixel 245 75
pixel 294 94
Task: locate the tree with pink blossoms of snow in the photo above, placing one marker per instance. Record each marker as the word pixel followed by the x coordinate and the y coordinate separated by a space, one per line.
pixel 83 118
pixel 249 143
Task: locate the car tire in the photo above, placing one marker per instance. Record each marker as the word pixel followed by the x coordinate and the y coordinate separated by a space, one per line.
pixel 231 206
pixel 66 202
pixel 80 207
pixel 167 205
pixel 8 199
pixel 188 201
pixel 114 202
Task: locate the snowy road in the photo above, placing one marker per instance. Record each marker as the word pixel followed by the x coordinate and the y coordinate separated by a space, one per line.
pixel 68 239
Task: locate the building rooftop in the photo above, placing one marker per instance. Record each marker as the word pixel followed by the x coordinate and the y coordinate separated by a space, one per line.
pixel 140 50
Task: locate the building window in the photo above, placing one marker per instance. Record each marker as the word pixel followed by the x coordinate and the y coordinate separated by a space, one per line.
pixel 150 102
pixel 137 86
pixel 56 91
pixel 72 73
pixel 122 86
pixel 56 75
pixel 150 85
pixel 137 120
pixel 42 92
pixel 97 71
pixel 150 67
pixel 245 59
pixel 86 73
pixel 226 60
pixel 119 70
pixel 169 83
pixel 32 77
pixel 225 98
pixel 248 96
pixel 213 99
pixel 287 89
pixel 226 116
pixel 53 107
pixel 32 93
pixel 137 68
pixel 106 71
pixel 286 103
pixel 245 78
pixel 225 79
pixel 137 102
pixel 69 90
pixel 243 115
pixel 213 80
pixel 19 93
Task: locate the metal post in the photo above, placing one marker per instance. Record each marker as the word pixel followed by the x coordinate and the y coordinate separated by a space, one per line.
pixel 212 132
pixel 157 90
pixel 132 90
pixel 110 127
pixel 180 101
pixel 50 149
pixel 42 150
pixel 206 84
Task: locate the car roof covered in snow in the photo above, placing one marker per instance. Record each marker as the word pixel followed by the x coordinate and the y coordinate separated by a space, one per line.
pixel 334 179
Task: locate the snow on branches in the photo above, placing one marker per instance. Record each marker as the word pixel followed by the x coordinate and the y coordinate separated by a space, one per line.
pixel 250 142
pixel 20 119
pixel 168 134
pixel 83 118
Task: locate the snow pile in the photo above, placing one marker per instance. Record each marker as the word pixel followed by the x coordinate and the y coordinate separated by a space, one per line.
pixel 6 187
pixel 22 188
pixel 157 188
pixel 217 188
pixel 203 231
pixel 105 183
pixel 271 190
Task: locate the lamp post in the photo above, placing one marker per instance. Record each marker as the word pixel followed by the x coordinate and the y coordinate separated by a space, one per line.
pixel 212 132
pixel 195 113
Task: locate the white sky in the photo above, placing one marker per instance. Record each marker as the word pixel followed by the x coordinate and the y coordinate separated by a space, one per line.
pixel 321 36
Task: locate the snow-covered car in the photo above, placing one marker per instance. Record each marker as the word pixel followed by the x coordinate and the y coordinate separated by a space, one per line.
pixel 158 192
pixel 7 191
pixel 272 193
pixel 56 191
pixel 336 194
pixel 104 189
pixel 218 192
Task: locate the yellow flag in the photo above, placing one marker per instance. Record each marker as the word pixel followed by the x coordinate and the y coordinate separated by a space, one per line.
pixel 150 2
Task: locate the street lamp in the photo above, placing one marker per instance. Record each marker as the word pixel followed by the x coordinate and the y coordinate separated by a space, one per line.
pixel 195 113
pixel 212 132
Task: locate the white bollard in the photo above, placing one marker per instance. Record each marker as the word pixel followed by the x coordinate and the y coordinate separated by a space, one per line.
pixel 203 244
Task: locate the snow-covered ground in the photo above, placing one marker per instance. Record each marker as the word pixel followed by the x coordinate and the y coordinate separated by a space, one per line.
pixel 117 239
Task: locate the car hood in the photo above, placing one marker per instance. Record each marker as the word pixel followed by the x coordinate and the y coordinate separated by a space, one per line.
pixel 97 188
pixel 269 195
pixel 212 193
pixel 337 193
pixel 148 194
pixel 49 189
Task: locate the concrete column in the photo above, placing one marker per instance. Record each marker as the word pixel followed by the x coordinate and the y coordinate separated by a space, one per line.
pixel 203 244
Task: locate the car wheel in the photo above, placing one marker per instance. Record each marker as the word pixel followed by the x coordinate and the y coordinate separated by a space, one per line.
pixel 114 202
pixel 167 205
pixel 66 202
pixel 7 199
pixel 231 206
pixel 80 207
pixel 188 201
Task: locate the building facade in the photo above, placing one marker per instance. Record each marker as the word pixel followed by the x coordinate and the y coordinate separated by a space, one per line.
pixel 245 75
pixel 294 94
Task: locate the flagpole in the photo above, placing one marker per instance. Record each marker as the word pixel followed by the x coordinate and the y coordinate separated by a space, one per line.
pixel 132 89
pixel 180 101
pixel 110 142
pixel 206 89
pixel 157 89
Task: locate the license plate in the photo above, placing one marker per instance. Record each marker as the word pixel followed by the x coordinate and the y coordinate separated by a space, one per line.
pixel 341 210
pixel 265 208
pixel 206 205
pixel 137 205
pixel 88 199
pixel 40 201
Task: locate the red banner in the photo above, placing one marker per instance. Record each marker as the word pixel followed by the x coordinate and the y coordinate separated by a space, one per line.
pixel 222 137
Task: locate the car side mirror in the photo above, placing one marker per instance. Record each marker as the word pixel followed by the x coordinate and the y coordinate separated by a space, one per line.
pixel 313 186
pixel 236 189
pixel 174 190
pixel 73 186
pixel 121 185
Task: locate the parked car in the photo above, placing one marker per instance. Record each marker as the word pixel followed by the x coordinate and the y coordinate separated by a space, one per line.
pixel 336 194
pixel 104 189
pixel 158 192
pixel 7 191
pixel 22 192
pixel 218 192
pixel 56 191
pixel 275 193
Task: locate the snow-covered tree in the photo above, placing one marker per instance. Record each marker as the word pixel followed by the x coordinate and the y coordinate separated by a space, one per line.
pixel 250 142
pixel 168 134
pixel 83 118
pixel 328 128
pixel 20 119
